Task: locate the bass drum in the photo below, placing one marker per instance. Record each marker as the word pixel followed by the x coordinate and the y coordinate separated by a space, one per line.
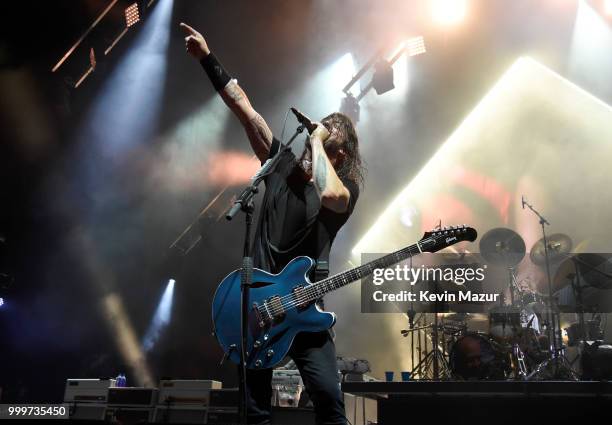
pixel 475 356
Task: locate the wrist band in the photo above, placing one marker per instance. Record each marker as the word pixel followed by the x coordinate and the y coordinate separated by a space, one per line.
pixel 216 73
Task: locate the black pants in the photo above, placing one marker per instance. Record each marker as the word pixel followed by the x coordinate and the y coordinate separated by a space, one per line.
pixel 315 356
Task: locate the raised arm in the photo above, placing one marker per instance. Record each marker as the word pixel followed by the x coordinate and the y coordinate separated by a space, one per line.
pixel 257 130
pixel 332 192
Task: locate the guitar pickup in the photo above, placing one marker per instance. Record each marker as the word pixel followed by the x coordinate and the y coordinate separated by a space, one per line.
pixel 299 295
pixel 274 308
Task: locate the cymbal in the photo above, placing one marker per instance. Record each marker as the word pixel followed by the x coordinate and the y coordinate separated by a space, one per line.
pixel 559 245
pixel 502 247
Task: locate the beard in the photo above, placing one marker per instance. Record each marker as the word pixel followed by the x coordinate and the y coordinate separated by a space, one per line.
pixel 305 160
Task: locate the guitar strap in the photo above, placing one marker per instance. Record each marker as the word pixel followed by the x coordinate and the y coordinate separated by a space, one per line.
pixel 321 270
pixel 322 267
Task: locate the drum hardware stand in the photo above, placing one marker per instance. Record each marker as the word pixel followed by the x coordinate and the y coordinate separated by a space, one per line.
pixel 435 358
pixel 517 352
pixel 557 354
pixel 422 345
pixel 411 315
pixel 520 361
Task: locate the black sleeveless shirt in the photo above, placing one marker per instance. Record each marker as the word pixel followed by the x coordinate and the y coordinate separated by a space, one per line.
pixel 292 222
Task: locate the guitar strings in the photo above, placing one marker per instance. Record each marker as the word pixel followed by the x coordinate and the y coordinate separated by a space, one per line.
pixel 310 291
pixel 291 301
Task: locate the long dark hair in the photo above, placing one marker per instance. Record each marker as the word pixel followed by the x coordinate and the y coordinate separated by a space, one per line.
pixel 352 166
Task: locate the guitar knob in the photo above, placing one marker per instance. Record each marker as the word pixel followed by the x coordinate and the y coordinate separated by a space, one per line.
pixel 257 344
pixel 257 363
pixel 266 337
pixel 269 353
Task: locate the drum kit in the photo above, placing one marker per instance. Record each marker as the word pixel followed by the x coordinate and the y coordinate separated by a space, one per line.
pixel 521 337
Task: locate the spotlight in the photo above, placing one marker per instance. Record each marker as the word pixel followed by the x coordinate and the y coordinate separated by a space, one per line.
pixel 1 301
pixel 131 15
pixel 350 107
pixel 382 81
pixel 415 46
pixel 161 318
pixel 448 12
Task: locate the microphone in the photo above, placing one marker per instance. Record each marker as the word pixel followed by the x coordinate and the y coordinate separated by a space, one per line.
pixel 304 120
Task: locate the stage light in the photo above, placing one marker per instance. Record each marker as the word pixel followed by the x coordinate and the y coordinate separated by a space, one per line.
pixel 607 7
pixel 589 61
pixel 340 71
pixel 126 110
pixel 126 340
pixel 132 16
pixel 350 107
pixel 322 94
pixel 161 318
pixel 448 12
pixel 382 81
pixel 111 305
pixel 415 46
pixel 1 301
pixel 463 164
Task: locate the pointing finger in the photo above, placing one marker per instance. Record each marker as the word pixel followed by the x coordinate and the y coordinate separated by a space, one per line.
pixel 188 29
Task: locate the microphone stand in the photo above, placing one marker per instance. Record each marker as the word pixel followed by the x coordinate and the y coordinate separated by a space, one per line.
pixel 551 320
pixel 244 203
pixel 558 355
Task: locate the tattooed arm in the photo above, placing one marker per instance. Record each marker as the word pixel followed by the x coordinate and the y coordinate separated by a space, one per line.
pixel 234 97
pixel 256 128
pixel 332 192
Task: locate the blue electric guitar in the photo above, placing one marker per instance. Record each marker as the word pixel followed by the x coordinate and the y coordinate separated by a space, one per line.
pixel 281 305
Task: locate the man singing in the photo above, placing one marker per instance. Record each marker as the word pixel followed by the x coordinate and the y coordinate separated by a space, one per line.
pixel 307 200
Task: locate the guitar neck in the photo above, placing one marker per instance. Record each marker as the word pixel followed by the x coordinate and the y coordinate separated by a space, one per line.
pixel 322 287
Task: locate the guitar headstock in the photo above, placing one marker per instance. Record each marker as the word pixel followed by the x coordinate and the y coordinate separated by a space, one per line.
pixel 435 240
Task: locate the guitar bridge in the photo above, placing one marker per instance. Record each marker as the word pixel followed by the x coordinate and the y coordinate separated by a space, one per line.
pixel 261 315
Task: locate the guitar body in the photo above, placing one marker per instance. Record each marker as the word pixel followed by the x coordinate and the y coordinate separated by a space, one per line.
pixel 268 340
pixel 282 305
